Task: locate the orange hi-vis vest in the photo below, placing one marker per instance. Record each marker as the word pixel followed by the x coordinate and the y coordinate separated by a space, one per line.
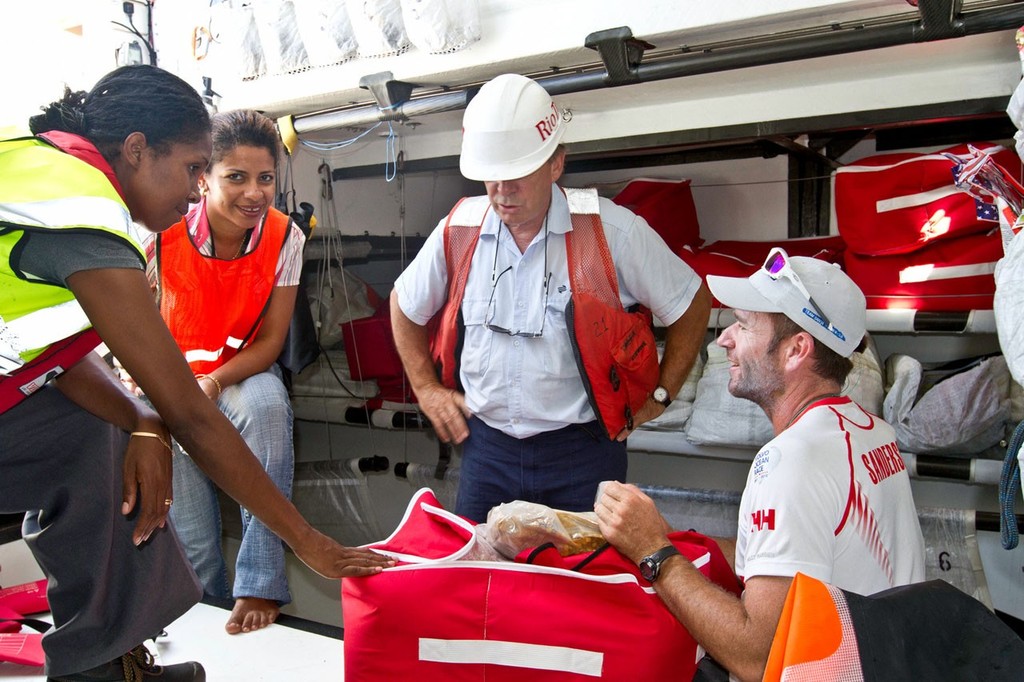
pixel 614 349
pixel 214 307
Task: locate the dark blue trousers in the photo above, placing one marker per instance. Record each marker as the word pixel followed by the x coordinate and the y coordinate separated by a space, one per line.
pixel 560 469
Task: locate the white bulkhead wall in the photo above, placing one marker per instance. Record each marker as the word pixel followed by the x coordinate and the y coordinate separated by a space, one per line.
pixel 737 199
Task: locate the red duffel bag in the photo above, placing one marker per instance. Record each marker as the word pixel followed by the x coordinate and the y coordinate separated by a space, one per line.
pixel 437 617
pixel 733 258
pixel 667 206
pixel 948 276
pixel 897 203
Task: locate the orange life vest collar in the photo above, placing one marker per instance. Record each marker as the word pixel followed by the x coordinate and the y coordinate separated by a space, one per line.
pixel 214 307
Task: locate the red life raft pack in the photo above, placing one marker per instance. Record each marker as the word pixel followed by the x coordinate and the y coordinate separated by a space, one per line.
pixel 948 275
pixel 897 203
pixel 435 617
pixel 733 258
pixel 667 206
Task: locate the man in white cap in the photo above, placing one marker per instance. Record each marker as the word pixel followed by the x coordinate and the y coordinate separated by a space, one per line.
pixel 543 374
pixel 829 496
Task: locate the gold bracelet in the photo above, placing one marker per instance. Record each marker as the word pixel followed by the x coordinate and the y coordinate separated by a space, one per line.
pixel 213 379
pixel 149 434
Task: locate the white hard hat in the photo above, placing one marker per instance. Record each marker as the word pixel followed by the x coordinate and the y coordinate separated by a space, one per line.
pixel 509 129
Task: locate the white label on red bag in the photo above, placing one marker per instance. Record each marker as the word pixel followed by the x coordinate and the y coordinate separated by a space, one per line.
pixel 515 654
pixel 932 272
pixel 919 199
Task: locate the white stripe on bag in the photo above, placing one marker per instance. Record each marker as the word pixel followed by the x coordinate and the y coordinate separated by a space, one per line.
pixel 919 199
pixel 932 273
pixel 515 654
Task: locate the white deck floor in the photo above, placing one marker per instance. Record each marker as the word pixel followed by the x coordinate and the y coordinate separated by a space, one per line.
pixel 278 653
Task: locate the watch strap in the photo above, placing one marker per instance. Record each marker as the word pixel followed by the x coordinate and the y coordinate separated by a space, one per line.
pixel 655 560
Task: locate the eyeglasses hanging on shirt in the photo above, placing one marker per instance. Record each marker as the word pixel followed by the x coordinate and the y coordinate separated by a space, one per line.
pixel 496 277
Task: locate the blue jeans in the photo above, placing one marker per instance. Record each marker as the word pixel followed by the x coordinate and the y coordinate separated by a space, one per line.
pixel 260 410
pixel 560 469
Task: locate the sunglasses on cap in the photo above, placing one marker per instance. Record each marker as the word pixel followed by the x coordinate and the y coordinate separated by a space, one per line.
pixel 777 266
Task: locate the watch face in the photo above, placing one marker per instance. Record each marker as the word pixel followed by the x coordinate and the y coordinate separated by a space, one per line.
pixel 660 394
pixel 648 569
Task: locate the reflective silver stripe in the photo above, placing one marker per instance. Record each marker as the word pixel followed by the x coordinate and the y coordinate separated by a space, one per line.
pixel 583 201
pixel 88 211
pixel 9 364
pixel 10 359
pixel 43 327
pixel 201 355
pixel 516 654
pixel 470 211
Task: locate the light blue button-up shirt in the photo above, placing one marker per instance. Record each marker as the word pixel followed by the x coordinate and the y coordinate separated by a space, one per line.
pixel 520 385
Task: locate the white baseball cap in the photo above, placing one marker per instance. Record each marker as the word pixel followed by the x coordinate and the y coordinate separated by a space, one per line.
pixel 818 296
pixel 510 128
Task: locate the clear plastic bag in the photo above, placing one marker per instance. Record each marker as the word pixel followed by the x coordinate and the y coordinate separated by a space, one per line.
pixel 515 526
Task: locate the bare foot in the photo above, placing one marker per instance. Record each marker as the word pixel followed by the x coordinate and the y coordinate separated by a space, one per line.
pixel 251 613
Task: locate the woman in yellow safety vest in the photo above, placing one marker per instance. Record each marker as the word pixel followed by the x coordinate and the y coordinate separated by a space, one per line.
pixel 89 462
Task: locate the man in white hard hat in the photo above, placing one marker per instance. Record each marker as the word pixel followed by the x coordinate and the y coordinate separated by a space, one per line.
pixel 522 297
pixel 829 496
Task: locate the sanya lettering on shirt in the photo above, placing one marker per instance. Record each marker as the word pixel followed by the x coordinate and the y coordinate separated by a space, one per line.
pixel 883 462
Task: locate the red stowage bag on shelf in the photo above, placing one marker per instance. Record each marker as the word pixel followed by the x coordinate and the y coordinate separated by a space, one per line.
pixel 897 203
pixel 667 206
pixel 371 354
pixel 732 258
pixel 436 618
pixel 950 275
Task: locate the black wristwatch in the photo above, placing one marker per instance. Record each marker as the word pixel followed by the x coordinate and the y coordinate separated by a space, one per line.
pixel 661 395
pixel 650 566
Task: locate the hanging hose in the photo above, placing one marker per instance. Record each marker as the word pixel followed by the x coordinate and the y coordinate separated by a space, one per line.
pixel 1010 490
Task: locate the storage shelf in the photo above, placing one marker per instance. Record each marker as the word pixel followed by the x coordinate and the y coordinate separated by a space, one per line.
pixel 896 321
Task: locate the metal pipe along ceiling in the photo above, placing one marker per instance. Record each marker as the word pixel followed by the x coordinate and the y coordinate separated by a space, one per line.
pixel 937 21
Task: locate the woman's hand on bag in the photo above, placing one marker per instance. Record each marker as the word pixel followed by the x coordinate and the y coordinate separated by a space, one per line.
pixel 330 560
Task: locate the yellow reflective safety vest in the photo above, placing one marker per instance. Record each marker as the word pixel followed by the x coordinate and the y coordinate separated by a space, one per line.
pixel 44 188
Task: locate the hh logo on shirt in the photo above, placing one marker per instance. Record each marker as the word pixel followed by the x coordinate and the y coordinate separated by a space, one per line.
pixel 763 519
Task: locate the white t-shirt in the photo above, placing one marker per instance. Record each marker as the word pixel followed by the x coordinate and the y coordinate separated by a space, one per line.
pixel 525 386
pixel 830 497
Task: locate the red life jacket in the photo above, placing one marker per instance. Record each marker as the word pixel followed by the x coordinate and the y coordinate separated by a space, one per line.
pixel 214 307
pixel 614 349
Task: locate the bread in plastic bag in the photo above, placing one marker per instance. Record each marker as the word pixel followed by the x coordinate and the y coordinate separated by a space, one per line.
pixel 518 525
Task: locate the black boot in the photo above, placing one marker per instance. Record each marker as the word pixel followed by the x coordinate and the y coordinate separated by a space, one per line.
pixel 137 666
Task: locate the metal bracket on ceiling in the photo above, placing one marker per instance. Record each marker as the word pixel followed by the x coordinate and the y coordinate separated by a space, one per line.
pixel 793 147
pixel 939 19
pixel 389 93
pixel 620 52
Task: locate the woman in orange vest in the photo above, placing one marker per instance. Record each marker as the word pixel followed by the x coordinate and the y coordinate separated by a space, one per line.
pixel 226 276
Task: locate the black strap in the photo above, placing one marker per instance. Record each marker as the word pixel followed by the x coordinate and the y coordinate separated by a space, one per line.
pixel 34 623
